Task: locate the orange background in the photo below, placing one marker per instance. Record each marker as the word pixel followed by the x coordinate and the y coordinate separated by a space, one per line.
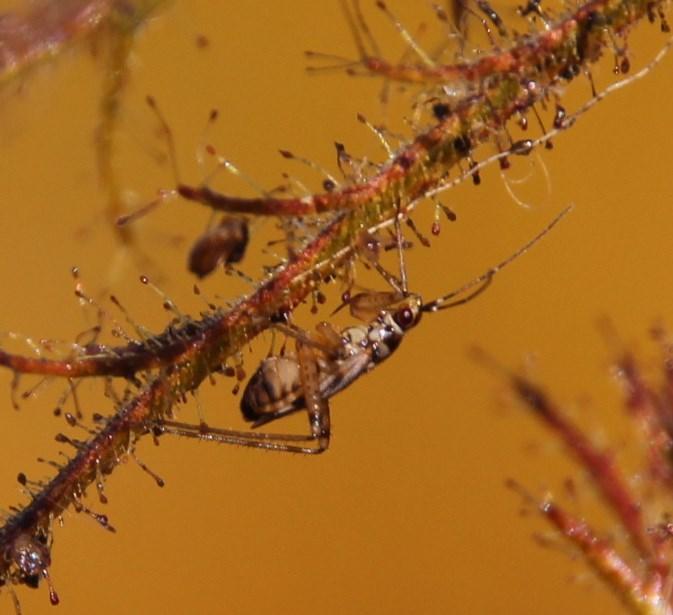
pixel 407 512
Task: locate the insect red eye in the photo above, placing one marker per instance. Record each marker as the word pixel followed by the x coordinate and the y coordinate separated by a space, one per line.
pixel 404 318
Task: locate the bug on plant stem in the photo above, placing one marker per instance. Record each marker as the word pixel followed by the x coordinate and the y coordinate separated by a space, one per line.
pixel 135 356
pixel 328 362
pixel 224 243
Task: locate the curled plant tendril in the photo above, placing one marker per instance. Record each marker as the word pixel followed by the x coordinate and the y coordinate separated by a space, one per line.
pixel 504 85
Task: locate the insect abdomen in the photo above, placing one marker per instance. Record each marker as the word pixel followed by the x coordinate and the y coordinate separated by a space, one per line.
pixel 274 386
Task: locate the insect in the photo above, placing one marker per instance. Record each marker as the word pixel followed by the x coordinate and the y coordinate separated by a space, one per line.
pixel 328 361
pixel 225 243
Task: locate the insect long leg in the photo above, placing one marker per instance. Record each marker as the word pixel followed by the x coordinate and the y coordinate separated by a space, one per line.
pixel 261 440
pixel 396 283
pixel 326 339
pixel 400 251
pixel 316 405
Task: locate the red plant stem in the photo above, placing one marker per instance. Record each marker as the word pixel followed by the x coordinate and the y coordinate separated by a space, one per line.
pixel 643 599
pixel 282 293
pixel 654 419
pixel 522 58
pixel 420 167
pixel 525 74
pixel 600 466
pixel 102 453
pixel 188 353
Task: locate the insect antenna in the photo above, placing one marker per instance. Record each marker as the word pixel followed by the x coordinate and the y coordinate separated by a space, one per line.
pixel 485 279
